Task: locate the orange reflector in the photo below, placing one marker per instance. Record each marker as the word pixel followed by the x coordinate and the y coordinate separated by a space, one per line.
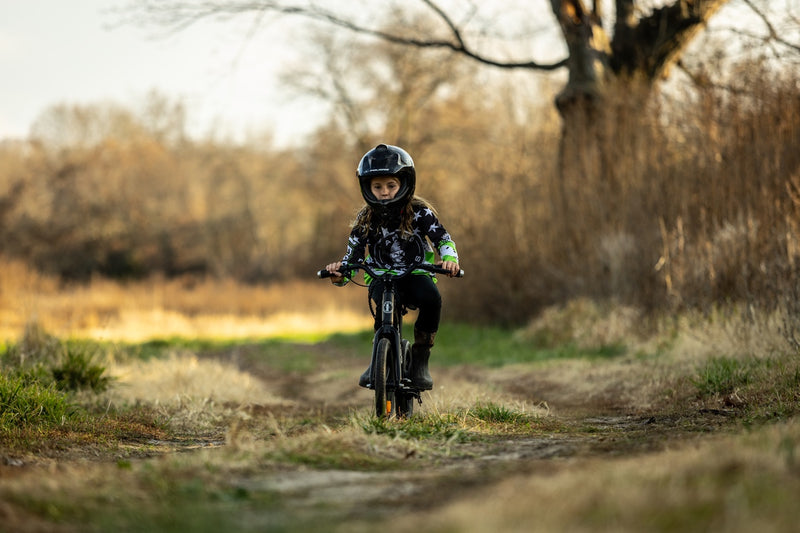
pixel 388 407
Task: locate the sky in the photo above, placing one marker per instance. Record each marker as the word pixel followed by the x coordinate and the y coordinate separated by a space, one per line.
pixel 72 52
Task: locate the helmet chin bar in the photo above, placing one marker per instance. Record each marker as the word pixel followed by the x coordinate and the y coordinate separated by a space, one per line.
pixel 388 214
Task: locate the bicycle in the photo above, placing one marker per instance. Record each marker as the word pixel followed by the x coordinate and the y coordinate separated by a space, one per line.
pixel 391 353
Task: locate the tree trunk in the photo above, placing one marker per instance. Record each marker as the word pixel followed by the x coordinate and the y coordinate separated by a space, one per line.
pixel 589 53
pixel 609 83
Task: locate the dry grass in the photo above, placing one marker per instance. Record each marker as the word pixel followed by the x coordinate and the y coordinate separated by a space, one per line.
pixel 271 462
pixel 188 307
pixel 732 483
pixel 585 323
pixel 193 394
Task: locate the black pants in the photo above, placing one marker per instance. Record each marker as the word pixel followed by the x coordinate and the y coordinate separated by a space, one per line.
pixel 415 290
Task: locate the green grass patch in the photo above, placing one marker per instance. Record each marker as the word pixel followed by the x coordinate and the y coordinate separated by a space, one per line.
pixel 482 345
pixel 455 344
pixel 494 347
pixel 494 413
pixel 155 348
pixel 25 402
pixel 764 389
pixel 282 355
pixel 71 365
pixel 722 375
pixel 77 369
pixel 436 426
pixel 38 375
pixel 479 421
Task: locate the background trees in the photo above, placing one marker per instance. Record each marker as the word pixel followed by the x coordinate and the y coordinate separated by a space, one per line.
pixel 688 199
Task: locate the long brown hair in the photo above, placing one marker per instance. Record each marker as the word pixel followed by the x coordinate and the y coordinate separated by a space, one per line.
pixel 363 218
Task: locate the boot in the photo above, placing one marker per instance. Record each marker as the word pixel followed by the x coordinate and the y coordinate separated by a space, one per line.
pixel 420 353
pixel 366 377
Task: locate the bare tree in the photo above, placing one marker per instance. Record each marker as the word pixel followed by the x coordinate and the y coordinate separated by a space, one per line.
pixel 614 53
pixel 602 41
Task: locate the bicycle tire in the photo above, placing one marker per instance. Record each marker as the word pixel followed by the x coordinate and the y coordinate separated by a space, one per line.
pixel 381 368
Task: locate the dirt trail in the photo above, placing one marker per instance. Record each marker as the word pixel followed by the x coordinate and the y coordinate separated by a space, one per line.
pixel 600 410
pixel 591 410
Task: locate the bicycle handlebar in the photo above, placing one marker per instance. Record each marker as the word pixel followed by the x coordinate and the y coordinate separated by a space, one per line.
pixel 347 267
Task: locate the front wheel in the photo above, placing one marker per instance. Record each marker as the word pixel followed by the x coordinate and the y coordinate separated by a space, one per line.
pixel 383 399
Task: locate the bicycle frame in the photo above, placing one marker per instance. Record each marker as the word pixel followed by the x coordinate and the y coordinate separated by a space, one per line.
pixel 391 328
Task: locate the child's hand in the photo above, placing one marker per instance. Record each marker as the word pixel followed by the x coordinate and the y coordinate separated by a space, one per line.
pixel 333 268
pixel 452 267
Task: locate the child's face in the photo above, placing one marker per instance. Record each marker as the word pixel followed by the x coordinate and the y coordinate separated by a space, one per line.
pixel 385 188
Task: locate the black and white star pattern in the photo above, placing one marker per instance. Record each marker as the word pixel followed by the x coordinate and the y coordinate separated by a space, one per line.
pixel 389 249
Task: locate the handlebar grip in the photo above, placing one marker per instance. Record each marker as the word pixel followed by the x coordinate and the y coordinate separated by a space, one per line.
pixel 439 270
pixel 322 274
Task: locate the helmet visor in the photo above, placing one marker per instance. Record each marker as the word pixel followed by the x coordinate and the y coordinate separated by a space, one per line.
pixel 381 163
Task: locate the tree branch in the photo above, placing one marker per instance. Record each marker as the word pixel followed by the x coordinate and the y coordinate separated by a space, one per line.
pixel 179 15
pixel 773 33
pixel 658 39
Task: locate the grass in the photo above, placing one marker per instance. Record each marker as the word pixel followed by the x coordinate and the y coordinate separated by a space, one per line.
pixel 733 483
pixel 181 389
pixel 70 365
pixel 479 421
pixel 494 413
pixel 448 427
pixel 762 389
pixel 723 375
pixel 487 346
pixel 27 403
pixel 36 375
pixel 736 403
pixel 78 370
pixel 494 347
pixel 48 392
pixel 455 344
pixel 743 481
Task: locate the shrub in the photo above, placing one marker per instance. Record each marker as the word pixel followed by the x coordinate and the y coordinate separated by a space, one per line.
pixel 40 357
pixel 77 371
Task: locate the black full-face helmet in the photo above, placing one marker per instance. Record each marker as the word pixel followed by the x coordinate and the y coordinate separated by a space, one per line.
pixel 387 160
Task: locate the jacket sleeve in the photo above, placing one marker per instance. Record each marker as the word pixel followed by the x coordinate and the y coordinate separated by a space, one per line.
pixel 438 235
pixel 356 246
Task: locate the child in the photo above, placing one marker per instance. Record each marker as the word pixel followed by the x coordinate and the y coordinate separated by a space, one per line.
pixel 398 228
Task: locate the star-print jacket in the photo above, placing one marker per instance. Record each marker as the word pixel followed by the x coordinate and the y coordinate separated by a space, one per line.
pixel 389 249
